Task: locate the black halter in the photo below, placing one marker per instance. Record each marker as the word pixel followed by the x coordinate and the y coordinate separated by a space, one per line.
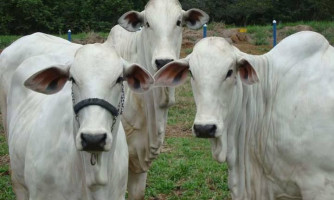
pixel 96 102
pixel 115 112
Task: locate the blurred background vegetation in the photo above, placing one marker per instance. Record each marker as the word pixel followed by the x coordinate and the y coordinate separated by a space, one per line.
pixel 57 16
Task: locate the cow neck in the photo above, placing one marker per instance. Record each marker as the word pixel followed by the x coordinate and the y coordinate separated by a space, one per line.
pixel 98 175
pixel 156 103
pixel 249 116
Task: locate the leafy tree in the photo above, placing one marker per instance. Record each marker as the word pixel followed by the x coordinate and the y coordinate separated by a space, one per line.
pixel 57 16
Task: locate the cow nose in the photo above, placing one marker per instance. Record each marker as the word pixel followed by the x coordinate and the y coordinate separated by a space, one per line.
pixel 93 142
pixel 162 62
pixel 205 131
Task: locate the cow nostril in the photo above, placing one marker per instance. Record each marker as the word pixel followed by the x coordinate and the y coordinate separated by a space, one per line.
pixel 93 142
pixel 205 131
pixel 162 62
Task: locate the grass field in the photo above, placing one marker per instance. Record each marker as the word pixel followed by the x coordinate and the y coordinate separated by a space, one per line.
pixel 185 169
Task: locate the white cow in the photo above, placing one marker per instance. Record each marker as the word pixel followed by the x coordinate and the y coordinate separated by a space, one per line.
pixel 269 116
pixel 158 43
pixel 69 145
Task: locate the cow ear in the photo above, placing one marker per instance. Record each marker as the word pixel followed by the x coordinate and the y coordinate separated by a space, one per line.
pixel 195 18
pixel 173 74
pixel 247 72
pixel 131 21
pixel 139 80
pixel 48 81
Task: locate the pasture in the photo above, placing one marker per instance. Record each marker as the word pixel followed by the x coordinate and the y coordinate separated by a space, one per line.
pixel 185 169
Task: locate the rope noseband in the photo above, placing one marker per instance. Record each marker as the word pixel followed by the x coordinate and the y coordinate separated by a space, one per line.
pixel 96 102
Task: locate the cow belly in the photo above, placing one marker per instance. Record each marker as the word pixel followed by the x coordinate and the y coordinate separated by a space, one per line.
pixel 300 134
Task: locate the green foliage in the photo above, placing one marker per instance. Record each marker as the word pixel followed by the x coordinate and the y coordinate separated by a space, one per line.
pixel 6 40
pixel 56 16
pixel 245 12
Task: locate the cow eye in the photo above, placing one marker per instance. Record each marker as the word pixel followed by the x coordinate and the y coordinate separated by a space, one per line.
pixel 229 73
pixel 148 25
pixel 178 23
pixel 191 74
pixel 120 80
pixel 72 80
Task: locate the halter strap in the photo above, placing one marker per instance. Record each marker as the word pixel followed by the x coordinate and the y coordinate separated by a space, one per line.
pixel 96 102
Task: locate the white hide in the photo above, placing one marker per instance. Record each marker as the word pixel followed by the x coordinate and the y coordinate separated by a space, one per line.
pixel 275 125
pixel 43 133
pixel 145 116
pixel 20 50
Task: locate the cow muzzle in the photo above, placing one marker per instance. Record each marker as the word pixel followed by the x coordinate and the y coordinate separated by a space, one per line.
pixel 205 131
pixel 162 62
pixel 93 142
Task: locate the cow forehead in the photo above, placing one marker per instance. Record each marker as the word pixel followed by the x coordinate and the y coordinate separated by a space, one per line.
pixel 212 56
pixel 160 11
pixel 96 60
pixel 162 3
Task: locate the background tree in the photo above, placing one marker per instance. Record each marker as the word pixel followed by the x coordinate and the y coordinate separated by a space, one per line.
pixel 57 16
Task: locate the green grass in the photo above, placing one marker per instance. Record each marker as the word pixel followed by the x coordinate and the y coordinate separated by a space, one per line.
pixel 6 192
pixel 183 112
pixel 6 40
pixel 82 36
pixel 260 34
pixel 187 171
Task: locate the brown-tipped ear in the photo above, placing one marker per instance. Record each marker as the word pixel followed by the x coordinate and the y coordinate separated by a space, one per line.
pixel 139 80
pixel 195 18
pixel 247 72
pixel 48 81
pixel 173 74
pixel 131 21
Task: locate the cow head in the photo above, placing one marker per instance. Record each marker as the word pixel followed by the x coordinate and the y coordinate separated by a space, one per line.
pixel 96 75
pixel 162 23
pixel 216 69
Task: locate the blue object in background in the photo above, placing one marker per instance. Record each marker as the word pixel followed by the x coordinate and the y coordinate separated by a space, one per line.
pixel 204 30
pixel 274 33
pixel 69 35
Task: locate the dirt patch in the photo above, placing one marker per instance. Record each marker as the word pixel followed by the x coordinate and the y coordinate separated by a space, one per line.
pixel 233 35
pixel 178 131
pixel 159 197
pixel 4 160
pixel 253 49
pixel 241 40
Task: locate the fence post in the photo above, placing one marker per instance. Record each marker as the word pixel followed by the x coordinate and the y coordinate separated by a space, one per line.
pixel 69 35
pixel 274 33
pixel 204 30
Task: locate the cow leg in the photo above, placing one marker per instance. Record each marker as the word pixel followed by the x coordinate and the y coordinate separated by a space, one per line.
pixel 136 185
pixel 20 191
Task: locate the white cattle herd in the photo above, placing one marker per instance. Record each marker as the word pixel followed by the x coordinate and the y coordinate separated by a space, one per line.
pixel 268 116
